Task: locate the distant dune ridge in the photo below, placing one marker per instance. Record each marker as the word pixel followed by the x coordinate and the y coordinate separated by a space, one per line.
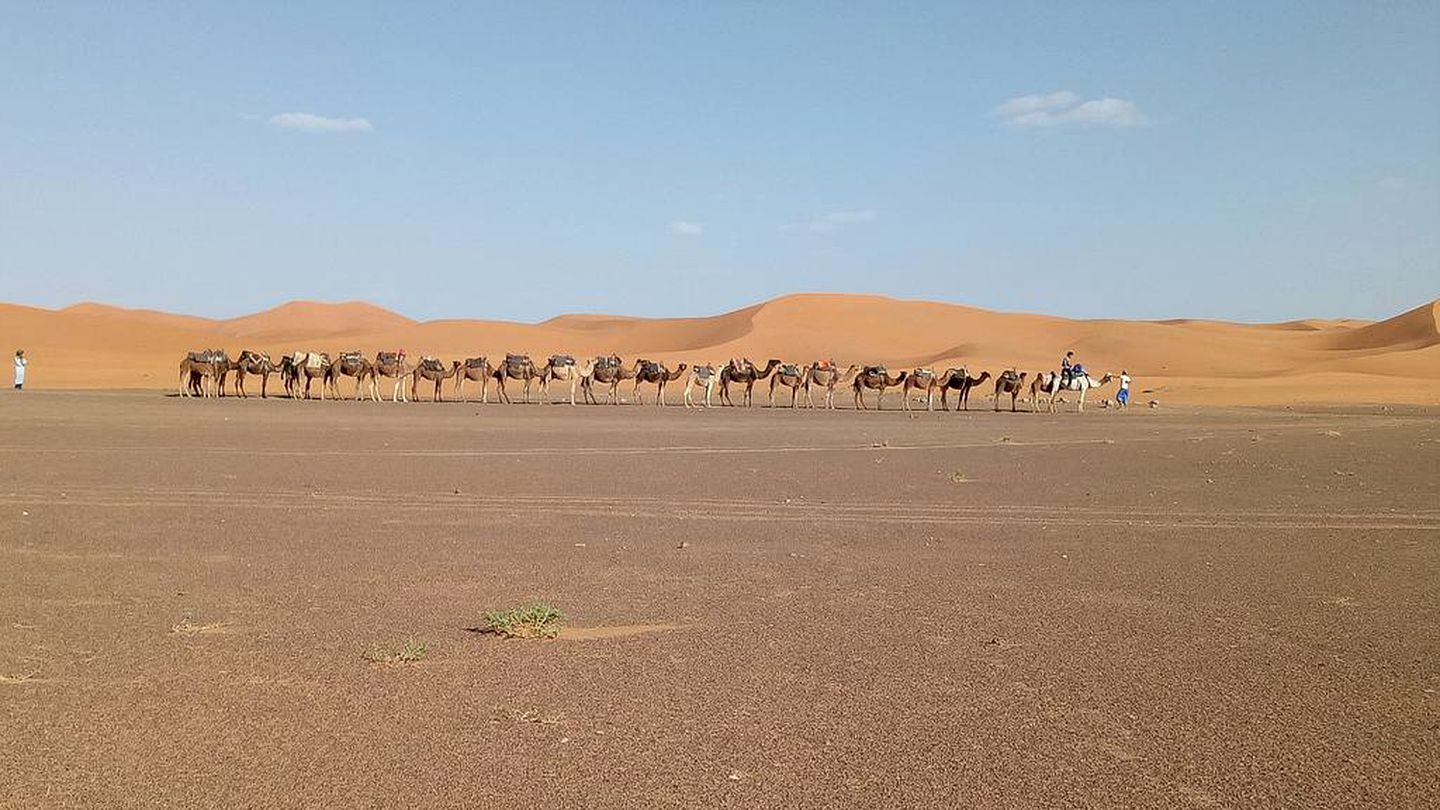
pixel 1182 361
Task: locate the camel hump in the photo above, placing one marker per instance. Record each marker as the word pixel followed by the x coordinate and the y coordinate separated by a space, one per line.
pixel 475 362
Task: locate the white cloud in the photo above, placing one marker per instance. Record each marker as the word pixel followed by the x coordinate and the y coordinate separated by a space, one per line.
pixel 684 228
pixel 309 122
pixel 1063 108
pixel 1394 183
pixel 1024 105
pixel 833 220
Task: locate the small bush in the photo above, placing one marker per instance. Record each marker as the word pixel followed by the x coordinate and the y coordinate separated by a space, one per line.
pixel 535 621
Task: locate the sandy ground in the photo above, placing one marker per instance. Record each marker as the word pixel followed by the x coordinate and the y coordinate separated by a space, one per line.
pixel 1189 608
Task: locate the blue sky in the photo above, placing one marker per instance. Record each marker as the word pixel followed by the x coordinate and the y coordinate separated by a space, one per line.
pixel 1236 160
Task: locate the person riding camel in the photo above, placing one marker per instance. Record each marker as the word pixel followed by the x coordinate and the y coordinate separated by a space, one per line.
pixel 1067 368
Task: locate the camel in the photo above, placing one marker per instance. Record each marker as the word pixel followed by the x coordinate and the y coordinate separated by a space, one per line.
pixel 827 376
pixel 1052 384
pixel 874 378
pixel 474 369
pixel 391 365
pixel 924 379
pixel 252 363
pixel 430 368
pixel 309 365
pixel 351 364
pixel 516 367
pixel 562 367
pixel 607 371
pixel 960 380
pixel 648 371
pixel 288 375
pixel 791 376
pixel 200 373
pixel 701 377
pixel 1008 383
pixel 743 373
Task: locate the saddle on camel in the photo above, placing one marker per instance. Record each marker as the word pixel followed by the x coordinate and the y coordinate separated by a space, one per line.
pixel 209 356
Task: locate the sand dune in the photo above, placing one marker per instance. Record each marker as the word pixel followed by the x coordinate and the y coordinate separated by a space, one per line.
pixel 1181 361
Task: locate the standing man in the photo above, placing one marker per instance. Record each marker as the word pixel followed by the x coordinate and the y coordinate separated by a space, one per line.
pixel 1124 396
pixel 20 363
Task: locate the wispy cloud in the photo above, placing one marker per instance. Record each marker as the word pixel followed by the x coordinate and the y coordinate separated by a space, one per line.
pixel 683 228
pixel 309 122
pixel 1393 183
pixel 1064 108
pixel 834 220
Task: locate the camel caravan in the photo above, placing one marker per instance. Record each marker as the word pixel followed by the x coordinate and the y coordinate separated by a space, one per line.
pixel 317 375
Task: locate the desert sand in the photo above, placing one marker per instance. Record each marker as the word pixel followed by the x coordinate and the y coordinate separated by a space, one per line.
pixel 1181 361
pixel 1181 607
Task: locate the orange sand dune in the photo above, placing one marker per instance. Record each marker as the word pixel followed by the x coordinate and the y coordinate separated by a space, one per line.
pixel 1177 361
